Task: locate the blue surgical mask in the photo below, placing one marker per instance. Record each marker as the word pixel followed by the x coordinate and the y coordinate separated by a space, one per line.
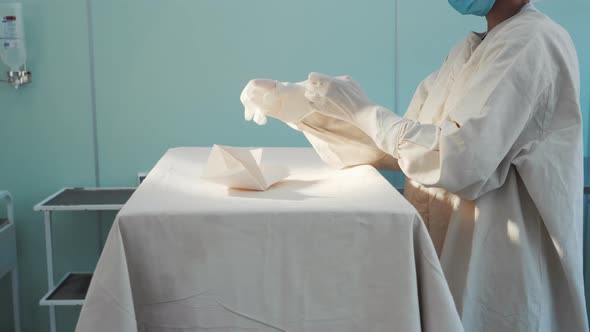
pixel 473 7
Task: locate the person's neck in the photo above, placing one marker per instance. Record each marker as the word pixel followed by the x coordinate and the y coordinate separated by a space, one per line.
pixel 502 11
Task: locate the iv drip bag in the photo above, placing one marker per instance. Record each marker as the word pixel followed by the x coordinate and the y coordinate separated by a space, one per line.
pixel 13 52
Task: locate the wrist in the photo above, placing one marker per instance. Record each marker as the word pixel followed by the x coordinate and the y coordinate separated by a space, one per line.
pixel 382 125
pixel 372 118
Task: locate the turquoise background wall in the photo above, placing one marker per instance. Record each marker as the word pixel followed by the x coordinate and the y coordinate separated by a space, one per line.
pixel 157 74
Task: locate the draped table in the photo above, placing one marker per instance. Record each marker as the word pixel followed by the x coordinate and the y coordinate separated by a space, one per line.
pixel 322 250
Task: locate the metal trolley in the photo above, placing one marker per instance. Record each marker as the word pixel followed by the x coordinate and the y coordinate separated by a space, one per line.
pixel 8 259
pixel 72 288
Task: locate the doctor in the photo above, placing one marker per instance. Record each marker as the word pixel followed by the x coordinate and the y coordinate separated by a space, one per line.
pixel 491 145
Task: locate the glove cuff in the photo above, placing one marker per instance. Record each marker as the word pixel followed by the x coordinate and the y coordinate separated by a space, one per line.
pixel 383 126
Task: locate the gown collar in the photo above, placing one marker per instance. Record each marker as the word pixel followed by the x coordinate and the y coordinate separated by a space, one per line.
pixel 482 35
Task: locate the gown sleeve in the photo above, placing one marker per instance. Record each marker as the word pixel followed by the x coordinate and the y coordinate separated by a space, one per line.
pixel 469 153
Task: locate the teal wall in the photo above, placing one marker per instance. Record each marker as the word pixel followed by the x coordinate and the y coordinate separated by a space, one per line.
pixel 169 73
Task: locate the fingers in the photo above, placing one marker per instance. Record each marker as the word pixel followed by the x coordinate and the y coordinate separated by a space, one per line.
pixel 260 118
pixel 322 79
pixel 318 79
pixel 252 98
pixel 253 112
pixel 316 99
pixel 286 101
pixel 264 84
pixel 317 87
pixel 249 112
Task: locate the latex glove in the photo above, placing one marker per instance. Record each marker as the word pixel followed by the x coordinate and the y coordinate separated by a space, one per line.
pixel 339 143
pixel 339 97
pixel 342 98
pixel 282 100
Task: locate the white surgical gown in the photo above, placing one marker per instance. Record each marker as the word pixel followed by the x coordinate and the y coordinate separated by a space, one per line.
pixel 493 154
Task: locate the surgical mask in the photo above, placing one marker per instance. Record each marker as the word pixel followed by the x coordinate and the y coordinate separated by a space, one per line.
pixel 473 7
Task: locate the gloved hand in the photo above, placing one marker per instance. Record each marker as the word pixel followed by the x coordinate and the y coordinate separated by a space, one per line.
pixel 339 97
pixel 282 100
pixel 342 98
pixel 339 143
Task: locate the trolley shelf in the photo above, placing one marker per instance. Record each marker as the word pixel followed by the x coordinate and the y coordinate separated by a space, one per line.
pixel 71 290
pixel 3 223
pixel 86 199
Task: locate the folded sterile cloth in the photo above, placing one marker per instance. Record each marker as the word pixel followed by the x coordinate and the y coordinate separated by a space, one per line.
pixel 242 168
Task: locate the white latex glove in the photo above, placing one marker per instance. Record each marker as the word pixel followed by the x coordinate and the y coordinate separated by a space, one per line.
pixel 339 97
pixel 342 98
pixel 282 100
pixel 339 143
